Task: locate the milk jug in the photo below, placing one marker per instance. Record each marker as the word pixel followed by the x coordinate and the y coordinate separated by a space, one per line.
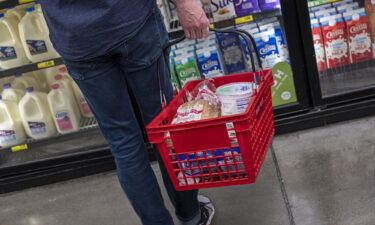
pixel 11 128
pixel 81 100
pixel 22 82
pixel 38 76
pixel 64 109
pixel 12 94
pixel 11 51
pixel 36 117
pixel 50 74
pixel 67 84
pixel 35 37
pixel 15 14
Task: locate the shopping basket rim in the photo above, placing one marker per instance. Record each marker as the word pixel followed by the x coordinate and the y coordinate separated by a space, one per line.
pixel 155 125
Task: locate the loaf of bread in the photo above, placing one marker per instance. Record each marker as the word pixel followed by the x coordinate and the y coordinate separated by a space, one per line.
pixel 195 110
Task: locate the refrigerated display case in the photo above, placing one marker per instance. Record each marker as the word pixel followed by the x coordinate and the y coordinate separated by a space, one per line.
pixel 341 64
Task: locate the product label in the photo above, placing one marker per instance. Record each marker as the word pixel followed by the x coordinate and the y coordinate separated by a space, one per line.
pixel 359 39
pixel 246 7
pixel 222 10
pixel 85 107
pixel 269 4
pixel 268 51
pixel 37 127
pixel 7 136
pixel 335 43
pixel 36 46
pixel 319 48
pixel 231 51
pixel 7 53
pixel 283 90
pixel 63 121
pixel 209 63
pixel 187 70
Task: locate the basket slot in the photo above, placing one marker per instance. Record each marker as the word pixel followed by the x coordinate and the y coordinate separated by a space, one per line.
pixel 196 139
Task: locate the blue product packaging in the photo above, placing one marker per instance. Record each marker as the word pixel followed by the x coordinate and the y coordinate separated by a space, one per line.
pixel 231 52
pixel 209 62
pixel 281 43
pixel 267 48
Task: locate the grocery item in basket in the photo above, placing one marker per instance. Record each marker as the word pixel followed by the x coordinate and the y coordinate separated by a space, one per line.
pixel 205 90
pixel 246 7
pixel 269 4
pixel 222 10
pixel 232 157
pixel 335 41
pixel 195 110
pixel 11 50
pixel 209 62
pixel 186 68
pixel 36 116
pixel 188 172
pixel 235 97
pixel 11 128
pixel 318 45
pixel 231 52
pixel 64 109
pixel 360 48
pixel 267 48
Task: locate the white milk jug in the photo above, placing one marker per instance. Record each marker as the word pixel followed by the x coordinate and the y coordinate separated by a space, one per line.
pixel 50 74
pixel 64 110
pixel 81 100
pixel 35 37
pixel 22 82
pixel 36 117
pixel 15 13
pixel 11 128
pixel 11 50
pixel 12 94
pixel 67 84
pixel 38 76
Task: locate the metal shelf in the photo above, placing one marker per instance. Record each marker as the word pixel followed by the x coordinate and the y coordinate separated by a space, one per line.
pixel 12 3
pixel 31 67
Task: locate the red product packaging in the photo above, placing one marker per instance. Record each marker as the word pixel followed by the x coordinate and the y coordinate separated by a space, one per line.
pixel 358 35
pixel 318 45
pixel 335 41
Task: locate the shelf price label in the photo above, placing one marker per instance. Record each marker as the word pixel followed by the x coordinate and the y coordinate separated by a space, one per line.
pixel 46 64
pixel 244 19
pixel 18 148
pixel 24 1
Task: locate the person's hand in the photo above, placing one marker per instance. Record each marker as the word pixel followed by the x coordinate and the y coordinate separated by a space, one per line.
pixel 192 19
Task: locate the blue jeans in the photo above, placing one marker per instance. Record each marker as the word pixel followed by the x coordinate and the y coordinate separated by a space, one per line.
pixel 107 82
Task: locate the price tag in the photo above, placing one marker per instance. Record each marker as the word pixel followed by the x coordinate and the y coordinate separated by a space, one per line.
pixel 46 64
pixel 19 148
pixel 244 19
pixel 24 1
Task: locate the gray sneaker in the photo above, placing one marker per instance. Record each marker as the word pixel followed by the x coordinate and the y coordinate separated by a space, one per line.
pixel 207 210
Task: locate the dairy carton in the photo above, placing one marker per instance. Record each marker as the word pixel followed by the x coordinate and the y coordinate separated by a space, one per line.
pixel 267 48
pixel 209 62
pixel 208 44
pixel 318 45
pixel 335 41
pixel 172 70
pixel 231 52
pixel 343 2
pixel 281 43
pixel 187 68
pixel 246 7
pixel 222 10
pixel 248 52
pixel 269 4
pixel 319 8
pixel 358 35
pixel 347 7
pixel 325 13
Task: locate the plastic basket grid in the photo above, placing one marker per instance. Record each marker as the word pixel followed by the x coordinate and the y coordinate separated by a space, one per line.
pixel 216 152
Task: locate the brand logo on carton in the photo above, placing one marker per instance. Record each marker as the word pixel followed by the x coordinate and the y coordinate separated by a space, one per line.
pixel 61 115
pixel 335 33
pixel 356 29
pixel 267 48
pixel 186 72
pixel 217 5
pixel 209 64
pixel 316 37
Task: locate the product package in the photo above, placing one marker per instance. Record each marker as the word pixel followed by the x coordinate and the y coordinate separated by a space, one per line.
pixel 222 10
pixel 267 48
pixel 209 62
pixel 246 7
pixel 318 45
pixel 269 4
pixel 231 52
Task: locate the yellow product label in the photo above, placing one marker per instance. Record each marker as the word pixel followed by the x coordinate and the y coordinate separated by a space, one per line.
pixel 46 64
pixel 244 19
pixel 19 148
pixel 212 25
pixel 24 1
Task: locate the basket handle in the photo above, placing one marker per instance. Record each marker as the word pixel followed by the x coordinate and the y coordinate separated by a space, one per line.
pixel 244 34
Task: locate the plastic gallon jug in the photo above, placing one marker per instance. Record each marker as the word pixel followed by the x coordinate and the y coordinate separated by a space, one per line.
pixel 235 97
pixel 11 128
pixel 15 14
pixel 36 117
pixel 35 37
pixel 64 110
pixel 50 74
pixel 81 100
pixel 12 94
pixel 11 50
pixel 22 82
pixel 38 76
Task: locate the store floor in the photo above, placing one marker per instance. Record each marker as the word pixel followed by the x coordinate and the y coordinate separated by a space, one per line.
pixel 323 176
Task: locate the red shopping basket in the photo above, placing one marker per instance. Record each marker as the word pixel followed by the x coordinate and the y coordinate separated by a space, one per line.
pixel 216 152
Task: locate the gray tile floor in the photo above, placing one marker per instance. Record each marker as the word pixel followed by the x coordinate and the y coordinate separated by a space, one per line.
pixel 323 176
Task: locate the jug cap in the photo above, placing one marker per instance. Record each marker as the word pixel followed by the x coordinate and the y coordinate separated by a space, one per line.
pixel 29 89
pixel 55 86
pixel 31 9
pixel 63 69
pixel 7 86
pixel 58 76
pixel 1 15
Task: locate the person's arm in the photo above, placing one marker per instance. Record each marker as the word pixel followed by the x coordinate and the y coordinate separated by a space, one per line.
pixel 192 19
